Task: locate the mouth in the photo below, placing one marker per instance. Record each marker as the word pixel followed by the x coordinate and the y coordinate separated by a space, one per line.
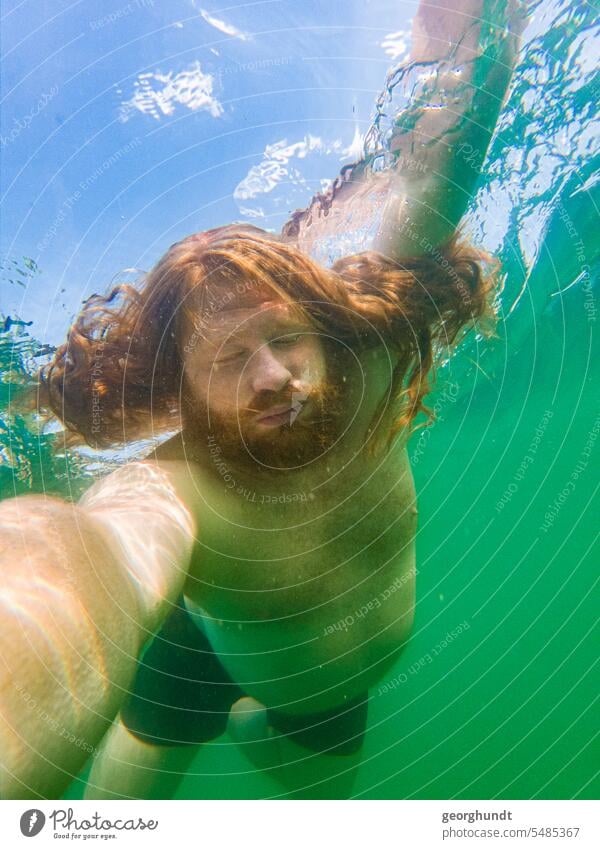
pixel 277 416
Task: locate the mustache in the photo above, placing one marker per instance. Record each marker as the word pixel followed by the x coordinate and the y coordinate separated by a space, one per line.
pixel 324 393
pixel 263 406
pixel 276 402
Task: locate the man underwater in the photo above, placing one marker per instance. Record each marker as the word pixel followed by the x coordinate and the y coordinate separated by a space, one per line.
pixel 211 586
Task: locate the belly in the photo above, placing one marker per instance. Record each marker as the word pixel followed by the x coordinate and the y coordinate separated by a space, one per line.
pixel 309 604
pixel 310 640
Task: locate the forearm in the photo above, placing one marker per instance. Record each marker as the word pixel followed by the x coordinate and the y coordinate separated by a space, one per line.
pixel 70 637
pixel 440 141
pixel 143 511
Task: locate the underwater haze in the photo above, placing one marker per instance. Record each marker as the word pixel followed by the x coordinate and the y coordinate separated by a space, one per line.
pixel 129 125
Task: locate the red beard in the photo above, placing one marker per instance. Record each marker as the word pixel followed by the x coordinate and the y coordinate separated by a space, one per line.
pixel 246 446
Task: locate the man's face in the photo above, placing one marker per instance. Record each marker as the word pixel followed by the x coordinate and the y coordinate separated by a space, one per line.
pixel 259 380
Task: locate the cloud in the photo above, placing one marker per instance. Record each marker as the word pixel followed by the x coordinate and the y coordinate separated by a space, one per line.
pixel 224 27
pixel 252 212
pixel 395 44
pixel 158 94
pixel 356 148
pixel 274 168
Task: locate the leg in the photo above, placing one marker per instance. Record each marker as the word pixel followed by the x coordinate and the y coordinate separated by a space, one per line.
pixel 181 698
pixel 301 771
pixel 126 767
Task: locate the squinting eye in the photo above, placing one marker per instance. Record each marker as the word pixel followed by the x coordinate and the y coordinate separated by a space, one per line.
pixel 287 340
pixel 230 358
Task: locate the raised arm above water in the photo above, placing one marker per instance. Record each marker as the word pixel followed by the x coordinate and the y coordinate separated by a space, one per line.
pixel 421 159
pixel 463 56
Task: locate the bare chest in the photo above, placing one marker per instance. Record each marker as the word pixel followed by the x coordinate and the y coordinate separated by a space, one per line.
pixel 308 599
pixel 296 549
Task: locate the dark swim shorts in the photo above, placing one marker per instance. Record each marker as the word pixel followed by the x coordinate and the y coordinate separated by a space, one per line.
pixel 182 695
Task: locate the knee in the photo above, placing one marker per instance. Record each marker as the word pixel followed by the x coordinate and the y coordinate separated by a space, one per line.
pixel 247 720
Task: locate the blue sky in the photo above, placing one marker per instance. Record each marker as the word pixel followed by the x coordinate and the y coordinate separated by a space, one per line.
pixel 128 125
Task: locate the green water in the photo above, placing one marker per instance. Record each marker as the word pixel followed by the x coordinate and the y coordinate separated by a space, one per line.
pixel 495 695
pixel 506 708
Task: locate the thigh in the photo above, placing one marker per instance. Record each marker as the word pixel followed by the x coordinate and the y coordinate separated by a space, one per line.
pixel 126 767
pixel 309 757
pixel 305 774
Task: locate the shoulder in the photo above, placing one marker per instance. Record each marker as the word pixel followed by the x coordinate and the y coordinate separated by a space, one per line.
pixel 380 401
pixel 378 365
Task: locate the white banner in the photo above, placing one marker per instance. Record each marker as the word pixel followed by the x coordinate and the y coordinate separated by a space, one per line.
pixel 291 824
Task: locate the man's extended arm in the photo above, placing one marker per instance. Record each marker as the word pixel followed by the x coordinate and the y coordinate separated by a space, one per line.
pixel 439 143
pixel 460 68
pixel 84 587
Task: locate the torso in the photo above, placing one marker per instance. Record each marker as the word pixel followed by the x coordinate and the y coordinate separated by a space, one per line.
pixel 306 592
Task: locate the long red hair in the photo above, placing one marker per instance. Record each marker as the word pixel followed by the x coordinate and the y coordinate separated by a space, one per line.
pixel 118 376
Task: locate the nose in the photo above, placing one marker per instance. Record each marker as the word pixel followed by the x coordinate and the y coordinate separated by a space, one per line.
pixel 267 372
